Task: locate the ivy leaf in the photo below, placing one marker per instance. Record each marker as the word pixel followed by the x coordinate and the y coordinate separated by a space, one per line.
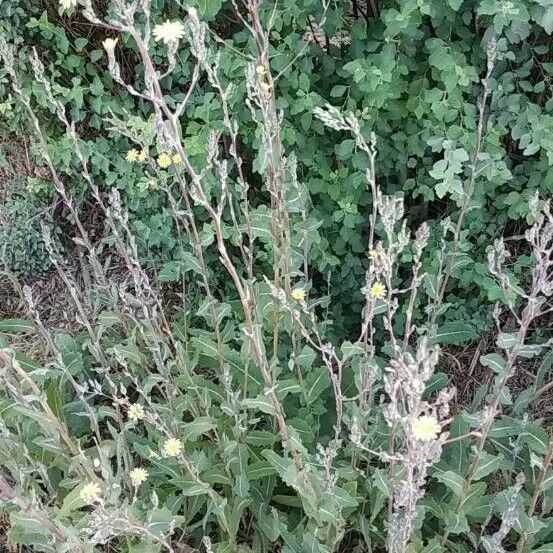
pixel 338 90
pixel 455 4
pixel 547 20
pixel 207 9
pixel 345 149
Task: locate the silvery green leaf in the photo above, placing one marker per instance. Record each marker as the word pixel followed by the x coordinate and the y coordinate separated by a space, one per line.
pixel 546 548
pixel 495 361
pixel 487 464
pixel 17 326
pixel 455 482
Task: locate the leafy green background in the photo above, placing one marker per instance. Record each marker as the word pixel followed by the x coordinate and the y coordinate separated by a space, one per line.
pixel 412 76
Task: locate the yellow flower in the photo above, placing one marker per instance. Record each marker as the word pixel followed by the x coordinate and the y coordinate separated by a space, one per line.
pixel 90 493
pixel 299 294
pixel 132 155
pixel 138 476
pixel 164 161
pixel 143 155
pixel 426 428
pixel 177 159
pixel 136 412
pixel 109 44
pixel 170 31
pixel 373 255
pixel 172 447
pixel 378 290
pixel 260 70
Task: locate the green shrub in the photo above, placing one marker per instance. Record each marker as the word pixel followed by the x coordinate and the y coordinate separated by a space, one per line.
pixel 23 251
pixel 411 76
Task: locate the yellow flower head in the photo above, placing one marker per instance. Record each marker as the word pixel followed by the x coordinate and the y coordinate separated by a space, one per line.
pixel 109 44
pixel 90 493
pixel 299 294
pixel 142 156
pixel 138 476
pixel 177 159
pixel 164 161
pixel 378 290
pixel 132 155
pixel 426 428
pixel 169 31
pixel 373 255
pixel 172 447
pixel 136 412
